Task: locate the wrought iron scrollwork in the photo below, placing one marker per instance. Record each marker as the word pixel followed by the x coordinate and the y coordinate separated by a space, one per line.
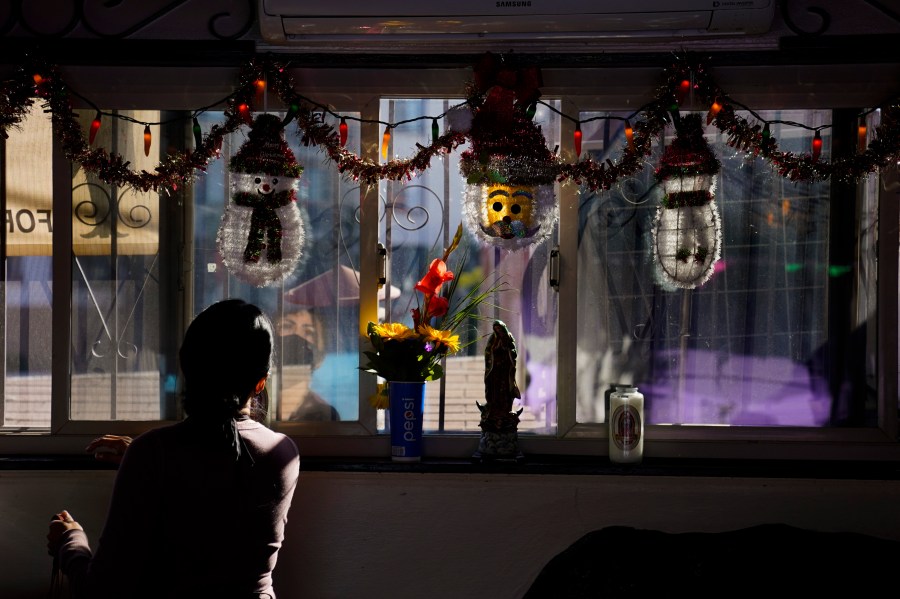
pixel 820 12
pixel 88 15
pixel 412 218
pixel 88 212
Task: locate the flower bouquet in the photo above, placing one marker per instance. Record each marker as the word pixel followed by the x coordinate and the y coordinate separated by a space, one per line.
pixel 413 354
pixel 406 357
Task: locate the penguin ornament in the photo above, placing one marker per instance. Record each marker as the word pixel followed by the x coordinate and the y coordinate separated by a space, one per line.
pixel 261 235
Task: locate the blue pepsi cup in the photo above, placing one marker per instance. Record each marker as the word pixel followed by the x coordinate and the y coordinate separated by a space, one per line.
pixel 407 403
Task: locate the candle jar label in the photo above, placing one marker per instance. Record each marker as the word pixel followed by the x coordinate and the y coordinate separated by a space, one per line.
pixel 626 427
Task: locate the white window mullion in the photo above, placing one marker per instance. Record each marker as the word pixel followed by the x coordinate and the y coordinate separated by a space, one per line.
pixel 567 326
pixel 60 387
pixel 368 254
pixel 888 265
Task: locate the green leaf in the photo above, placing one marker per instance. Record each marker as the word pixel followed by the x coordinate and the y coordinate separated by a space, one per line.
pixel 496 177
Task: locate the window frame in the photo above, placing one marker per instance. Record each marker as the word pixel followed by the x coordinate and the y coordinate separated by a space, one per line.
pixel 358 439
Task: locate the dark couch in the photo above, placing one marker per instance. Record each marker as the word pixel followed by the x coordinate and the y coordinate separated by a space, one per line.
pixel 770 560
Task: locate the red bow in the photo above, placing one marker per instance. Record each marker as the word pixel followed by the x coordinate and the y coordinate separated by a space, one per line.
pixel 523 83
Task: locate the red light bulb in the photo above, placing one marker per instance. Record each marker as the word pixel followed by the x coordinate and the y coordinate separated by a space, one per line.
pixel 343 129
pixel 577 139
pixel 95 126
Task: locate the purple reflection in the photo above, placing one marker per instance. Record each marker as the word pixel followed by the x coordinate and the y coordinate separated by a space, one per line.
pixel 707 387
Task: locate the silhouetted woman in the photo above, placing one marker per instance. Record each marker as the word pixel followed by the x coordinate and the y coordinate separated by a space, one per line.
pixel 199 507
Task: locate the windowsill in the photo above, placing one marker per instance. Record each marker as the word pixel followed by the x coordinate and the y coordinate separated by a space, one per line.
pixel 53 462
pixel 543 465
pixel 571 465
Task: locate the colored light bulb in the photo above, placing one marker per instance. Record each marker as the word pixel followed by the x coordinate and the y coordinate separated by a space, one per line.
pixel 95 126
pixel 861 136
pixel 629 135
pixel 385 140
pixel 713 111
pixel 244 111
pixel 343 130
pixel 683 88
pixel 293 109
pixel 148 138
pixel 260 85
pixel 816 146
pixel 198 133
pixel 577 135
pixel 435 131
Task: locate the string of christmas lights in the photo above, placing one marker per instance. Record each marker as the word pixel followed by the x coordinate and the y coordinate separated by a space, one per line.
pixel 39 81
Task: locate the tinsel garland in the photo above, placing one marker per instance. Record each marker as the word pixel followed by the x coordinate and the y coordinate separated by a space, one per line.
pixel 39 79
pixel 314 131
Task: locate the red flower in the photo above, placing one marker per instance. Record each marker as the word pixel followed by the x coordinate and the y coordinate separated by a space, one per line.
pixel 436 276
pixel 437 306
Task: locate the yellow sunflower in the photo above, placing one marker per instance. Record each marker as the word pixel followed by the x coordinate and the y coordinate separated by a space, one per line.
pixel 440 336
pixel 393 331
pixel 381 400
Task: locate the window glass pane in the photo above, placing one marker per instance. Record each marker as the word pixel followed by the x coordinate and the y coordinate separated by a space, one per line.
pixel 122 303
pixel 749 347
pixel 864 334
pixel 418 220
pixel 319 314
pixel 26 290
pixel 315 309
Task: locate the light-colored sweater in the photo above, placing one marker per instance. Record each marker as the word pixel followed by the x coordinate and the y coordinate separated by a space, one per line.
pixel 186 520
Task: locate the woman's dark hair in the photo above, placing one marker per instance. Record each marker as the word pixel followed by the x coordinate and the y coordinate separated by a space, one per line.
pixel 226 350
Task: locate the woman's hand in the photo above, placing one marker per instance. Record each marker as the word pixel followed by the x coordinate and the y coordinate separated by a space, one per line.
pixel 59 525
pixel 109 448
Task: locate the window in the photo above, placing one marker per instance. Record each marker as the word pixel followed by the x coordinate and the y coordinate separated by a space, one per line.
pixel 750 347
pixel 121 361
pixel 122 357
pixel 315 310
pixel 417 219
pixel 27 291
pixel 781 347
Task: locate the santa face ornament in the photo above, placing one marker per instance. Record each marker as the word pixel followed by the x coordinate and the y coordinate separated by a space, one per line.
pixel 507 211
pixel 510 216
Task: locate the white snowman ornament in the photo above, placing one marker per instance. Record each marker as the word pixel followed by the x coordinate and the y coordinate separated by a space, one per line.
pixel 261 235
pixel 687 235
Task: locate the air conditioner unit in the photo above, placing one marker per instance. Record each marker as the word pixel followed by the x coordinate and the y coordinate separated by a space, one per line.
pixel 299 22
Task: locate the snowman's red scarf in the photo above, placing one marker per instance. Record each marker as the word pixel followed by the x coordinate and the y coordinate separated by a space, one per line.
pixel 264 222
